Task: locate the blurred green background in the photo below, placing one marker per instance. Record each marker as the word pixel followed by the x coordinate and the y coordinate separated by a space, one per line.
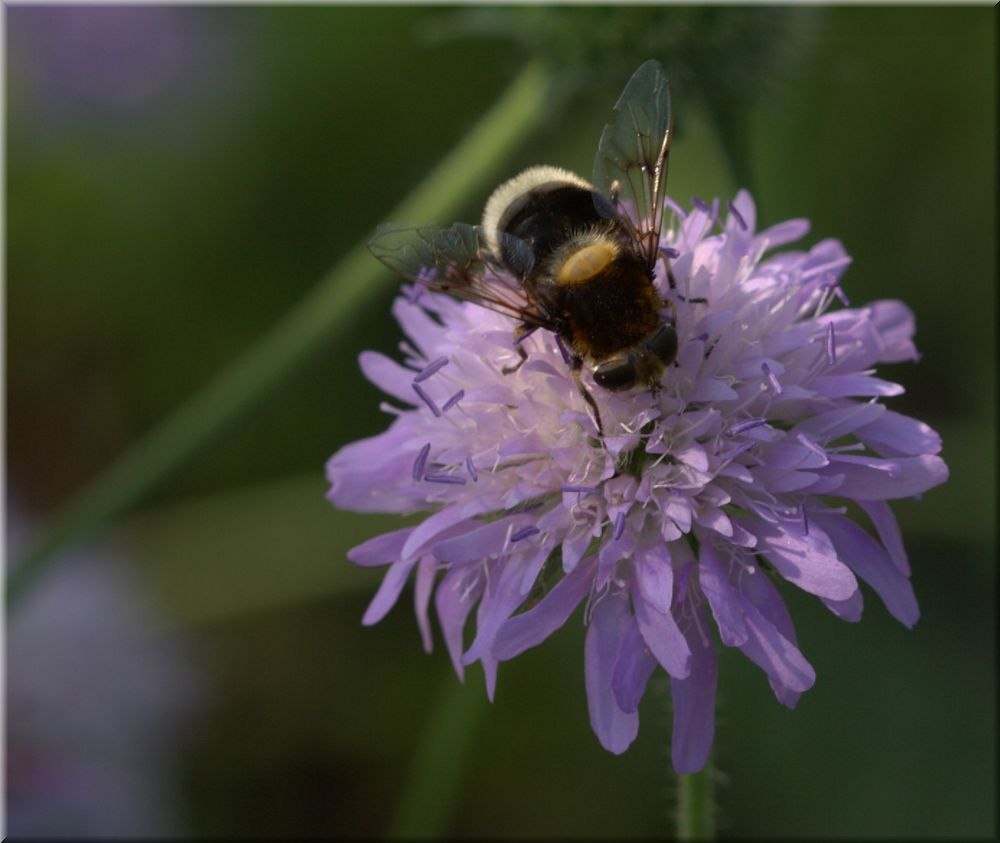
pixel 177 177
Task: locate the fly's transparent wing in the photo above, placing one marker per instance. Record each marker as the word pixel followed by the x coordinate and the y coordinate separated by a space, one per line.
pixel 631 163
pixel 457 261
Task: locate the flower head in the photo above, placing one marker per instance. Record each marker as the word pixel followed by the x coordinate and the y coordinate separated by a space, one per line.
pixel 696 502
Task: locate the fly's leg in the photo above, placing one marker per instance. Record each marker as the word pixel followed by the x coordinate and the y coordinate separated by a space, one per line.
pixel 672 282
pixel 522 332
pixel 576 364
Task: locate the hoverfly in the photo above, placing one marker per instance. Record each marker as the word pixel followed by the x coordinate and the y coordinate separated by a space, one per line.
pixel 573 257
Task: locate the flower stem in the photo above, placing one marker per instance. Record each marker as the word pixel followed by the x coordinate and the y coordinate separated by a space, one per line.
pixel 432 783
pixel 330 306
pixel 696 805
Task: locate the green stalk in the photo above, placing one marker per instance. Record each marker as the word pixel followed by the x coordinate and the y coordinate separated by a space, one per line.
pixel 426 803
pixel 325 310
pixel 696 805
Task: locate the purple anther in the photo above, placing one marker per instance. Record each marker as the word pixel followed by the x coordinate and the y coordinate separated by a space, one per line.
pixel 427 274
pixel 446 479
pixel 805 518
pixel 737 215
pixel 413 294
pixel 471 469
pixel 670 252
pixel 831 345
pixel 522 337
pixel 523 533
pixel 451 402
pixel 421 462
pixel 700 204
pixel 430 369
pixel 733 453
pixel 619 525
pixel 585 490
pixel 703 336
pixel 426 399
pixel 562 350
pixel 744 426
pixel 772 379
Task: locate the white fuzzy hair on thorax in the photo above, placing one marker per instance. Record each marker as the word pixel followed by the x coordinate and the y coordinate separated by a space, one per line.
pixel 507 199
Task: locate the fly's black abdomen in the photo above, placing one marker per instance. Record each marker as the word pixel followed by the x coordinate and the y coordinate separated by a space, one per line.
pixel 615 310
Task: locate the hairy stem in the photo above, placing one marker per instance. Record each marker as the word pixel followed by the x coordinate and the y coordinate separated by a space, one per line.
pixel 696 805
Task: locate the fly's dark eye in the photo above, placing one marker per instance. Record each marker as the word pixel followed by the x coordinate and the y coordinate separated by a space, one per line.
pixel 664 344
pixel 615 375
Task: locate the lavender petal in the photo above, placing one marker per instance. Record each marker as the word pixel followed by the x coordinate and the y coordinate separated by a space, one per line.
pixel 662 636
pixel 633 667
pixel 870 561
pixel 530 628
pixel 615 729
pixel 694 703
pixel 808 561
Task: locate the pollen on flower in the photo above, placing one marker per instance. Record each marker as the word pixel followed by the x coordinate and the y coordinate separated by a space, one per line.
pixel 677 530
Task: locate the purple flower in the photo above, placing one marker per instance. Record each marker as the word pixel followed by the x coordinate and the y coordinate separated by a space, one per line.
pixel 698 500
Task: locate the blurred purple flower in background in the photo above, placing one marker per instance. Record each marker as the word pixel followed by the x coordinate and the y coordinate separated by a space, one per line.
pixel 698 500
pixel 99 698
pixel 88 59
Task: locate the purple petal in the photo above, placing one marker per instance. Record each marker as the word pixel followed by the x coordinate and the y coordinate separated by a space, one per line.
pixel 388 375
pixel 713 518
pixel 633 667
pixel 423 586
pixel 782 480
pixel 388 592
pixel 365 476
pixel 574 546
pixel 662 635
pixel 380 550
pixel 693 455
pixel 694 702
pixel 867 557
pixel 655 576
pixel 846 385
pixel 454 598
pixel 849 609
pixel 615 729
pixel 832 424
pixel 895 435
pixel 776 655
pixel 896 324
pixel 807 560
pixel 711 389
pixel 888 531
pixel 490 672
pixel 497 605
pixel 867 478
pixel 723 599
pixel 433 527
pixel 784 232
pixel 529 628
pixel 758 588
pixel 476 544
